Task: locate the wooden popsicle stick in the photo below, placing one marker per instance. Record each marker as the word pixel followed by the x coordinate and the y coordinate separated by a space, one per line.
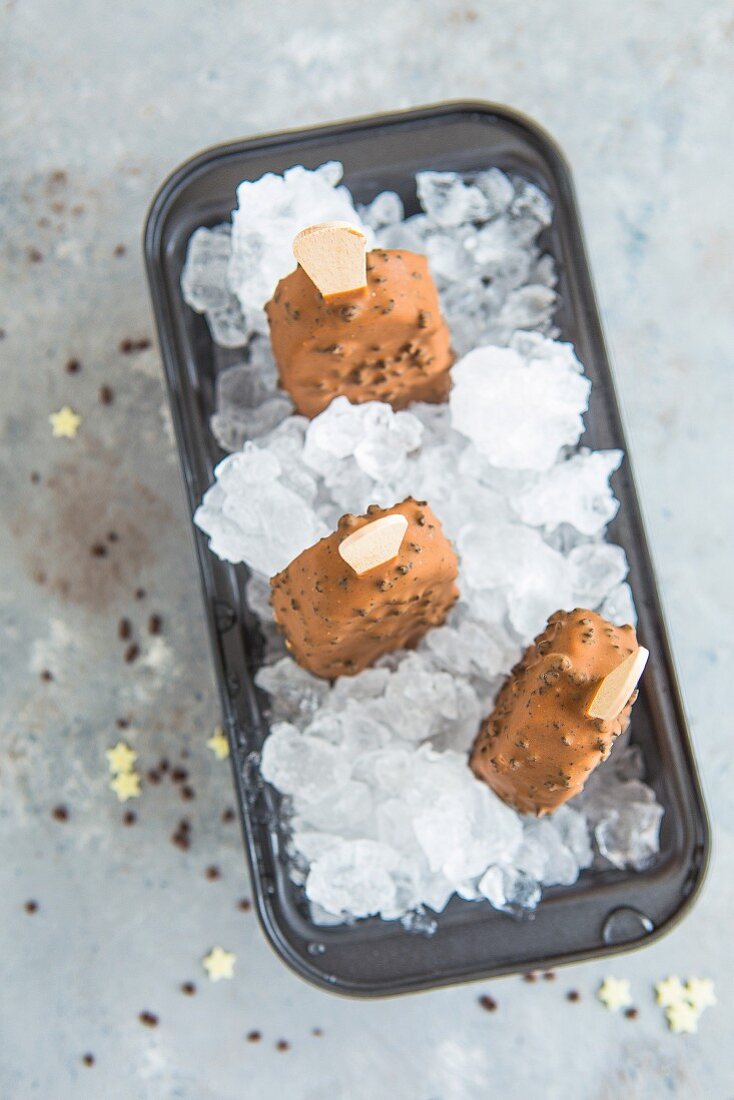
pixel 614 691
pixel 333 255
pixel 374 544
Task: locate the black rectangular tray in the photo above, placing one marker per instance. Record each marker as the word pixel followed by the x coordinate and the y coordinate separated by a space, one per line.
pixel 605 911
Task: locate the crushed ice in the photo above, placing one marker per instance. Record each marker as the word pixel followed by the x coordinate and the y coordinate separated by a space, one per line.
pixel 383 814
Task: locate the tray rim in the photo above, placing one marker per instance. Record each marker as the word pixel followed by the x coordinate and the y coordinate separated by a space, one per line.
pixel 183 175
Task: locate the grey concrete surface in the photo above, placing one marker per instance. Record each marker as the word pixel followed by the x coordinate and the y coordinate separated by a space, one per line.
pixel 98 103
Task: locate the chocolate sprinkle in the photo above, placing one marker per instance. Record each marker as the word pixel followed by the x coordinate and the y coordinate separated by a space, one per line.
pixel 188 988
pixel 128 346
pixel 31 906
pixel 60 813
pixel 254 1036
pixel 149 1019
pixel 488 1003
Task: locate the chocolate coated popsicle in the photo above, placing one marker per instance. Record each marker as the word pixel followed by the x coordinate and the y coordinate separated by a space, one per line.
pixel 541 742
pixel 384 342
pixel 340 612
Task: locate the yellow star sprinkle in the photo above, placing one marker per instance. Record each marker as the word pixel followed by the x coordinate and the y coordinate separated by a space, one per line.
pixel 65 423
pixel 670 992
pixel 682 1018
pixel 615 993
pixel 121 758
pixel 700 993
pixel 219 964
pixel 219 744
pixel 126 785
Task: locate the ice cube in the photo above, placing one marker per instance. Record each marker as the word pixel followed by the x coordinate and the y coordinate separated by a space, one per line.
pixel 378 438
pixel 574 833
pixel 596 569
pixel 346 812
pixel 619 606
pixel 204 285
pixel 422 702
pixel 630 836
pixel 532 856
pixel 526 307
pixel 460 824
pixel 270 212
pixel 574 491
pixel 258 596
pixel 382 452
pixel 251 516
pixel 228 325
pixel 242 386
pixel 448 200
pixel 295 695
pixel 497 189
pixel 448 257
pixel 385 209
pixel 530 200
pixel 520 409
pixel 471 649
pixel 233 428
pixel 562 866
pixel 356 877
pixel 629 763
pixel 533 577
pixel 204 277
pixel 509 889
pixel 362 731
pixel 368 684
pixel 418 922
pixel 303 767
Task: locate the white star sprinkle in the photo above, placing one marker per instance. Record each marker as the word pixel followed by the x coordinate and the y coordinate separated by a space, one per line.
pixel 615 993
pixel 219 964
pixel 65 423
pixel 219 744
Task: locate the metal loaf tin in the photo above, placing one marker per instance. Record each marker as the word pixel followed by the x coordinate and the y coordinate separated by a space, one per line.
pixel 605 911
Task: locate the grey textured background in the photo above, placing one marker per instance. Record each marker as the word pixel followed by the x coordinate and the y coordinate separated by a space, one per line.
pixel 98 103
